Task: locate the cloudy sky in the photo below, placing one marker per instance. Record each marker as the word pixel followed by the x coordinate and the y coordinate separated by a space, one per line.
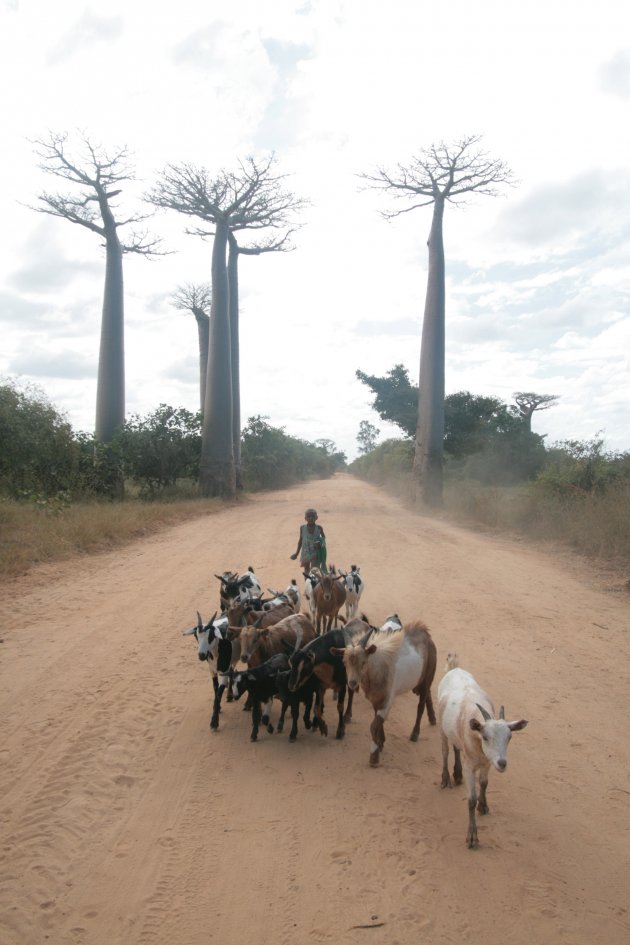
pixel 538 281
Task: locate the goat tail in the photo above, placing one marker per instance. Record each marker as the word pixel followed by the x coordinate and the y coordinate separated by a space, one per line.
pixel 452 662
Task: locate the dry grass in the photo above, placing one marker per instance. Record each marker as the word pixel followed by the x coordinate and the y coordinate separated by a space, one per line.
pixel 596 525
pixel 31 534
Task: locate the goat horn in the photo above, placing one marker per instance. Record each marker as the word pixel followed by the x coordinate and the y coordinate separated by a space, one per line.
pixel 486 715
pixel 502 712
pixel 199 621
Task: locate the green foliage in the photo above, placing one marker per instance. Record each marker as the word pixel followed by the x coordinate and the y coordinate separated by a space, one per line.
pixel 484 438
pixel 471 422
pixel 367 436
pixel 389 462
pixel 38 453
pixel 396 398
pixel 575 468
pixel 273 460
pixel 329 447
pixel 160 448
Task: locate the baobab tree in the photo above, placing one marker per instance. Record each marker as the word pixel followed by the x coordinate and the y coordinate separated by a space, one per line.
pixel 97 175
pixel 197 299
pixel 270 245
pixel 527 402
pixel 440 174
pixel 252 198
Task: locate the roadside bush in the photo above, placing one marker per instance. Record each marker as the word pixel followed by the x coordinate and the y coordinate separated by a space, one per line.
pixel 574 467
pixel 160 448
pixel 273 460
pixel 390 460
pixel 38 451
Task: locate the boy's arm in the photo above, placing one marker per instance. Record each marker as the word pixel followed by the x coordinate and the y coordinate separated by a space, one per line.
pixel 299 545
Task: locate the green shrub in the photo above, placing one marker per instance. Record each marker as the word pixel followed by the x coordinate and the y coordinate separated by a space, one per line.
pixel 161 448
pixel 38 451
pixel 273 460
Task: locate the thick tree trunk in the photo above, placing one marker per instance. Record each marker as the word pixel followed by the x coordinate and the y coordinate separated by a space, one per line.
pixel 235 355
pixel 216 474
pixel 203 330
pixel 110 390
pixel 428 459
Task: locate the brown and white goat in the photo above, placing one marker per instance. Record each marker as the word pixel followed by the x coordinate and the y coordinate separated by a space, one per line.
pixel 387 663
pixel 243 613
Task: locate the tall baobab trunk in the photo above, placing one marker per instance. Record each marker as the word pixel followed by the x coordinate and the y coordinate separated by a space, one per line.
pixel 110 390
pixel 203 330
pixel 235 356
pixel 427 465
pixel 216 474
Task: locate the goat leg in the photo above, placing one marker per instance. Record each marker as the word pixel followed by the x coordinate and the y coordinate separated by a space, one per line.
pixel 457 767
pixel 256 716
pixel 216 708
pixel 348 716
pixel 482 804
pixel 341 698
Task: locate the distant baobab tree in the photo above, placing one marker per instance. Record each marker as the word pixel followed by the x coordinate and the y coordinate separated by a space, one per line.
pixel 197 299
pixel 251 198
pixel 527 402
pixel 97 175
pixel 439 174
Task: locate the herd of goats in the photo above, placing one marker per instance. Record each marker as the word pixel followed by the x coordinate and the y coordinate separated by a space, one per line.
pixel 295 657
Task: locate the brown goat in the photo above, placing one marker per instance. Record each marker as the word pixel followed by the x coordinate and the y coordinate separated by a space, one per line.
pixel 329 595
pixel 260 643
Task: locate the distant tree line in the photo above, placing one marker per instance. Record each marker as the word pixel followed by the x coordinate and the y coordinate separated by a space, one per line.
pixel 483 438
pixel 42 457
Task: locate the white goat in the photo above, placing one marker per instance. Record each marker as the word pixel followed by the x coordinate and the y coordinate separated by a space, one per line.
pixel 466 719
pixel 354 585
pixel 311 580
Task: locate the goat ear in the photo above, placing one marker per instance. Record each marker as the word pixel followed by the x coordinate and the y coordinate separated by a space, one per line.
pixel 475 725
pixel 189 633
pixel 337 650
pixel 517 726
pixel 370 649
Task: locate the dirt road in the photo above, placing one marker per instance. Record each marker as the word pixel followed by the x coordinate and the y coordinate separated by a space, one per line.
pixel 125 821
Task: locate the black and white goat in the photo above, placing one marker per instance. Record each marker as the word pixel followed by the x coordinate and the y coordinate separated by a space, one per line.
pixel 219 645
pixel 354 584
